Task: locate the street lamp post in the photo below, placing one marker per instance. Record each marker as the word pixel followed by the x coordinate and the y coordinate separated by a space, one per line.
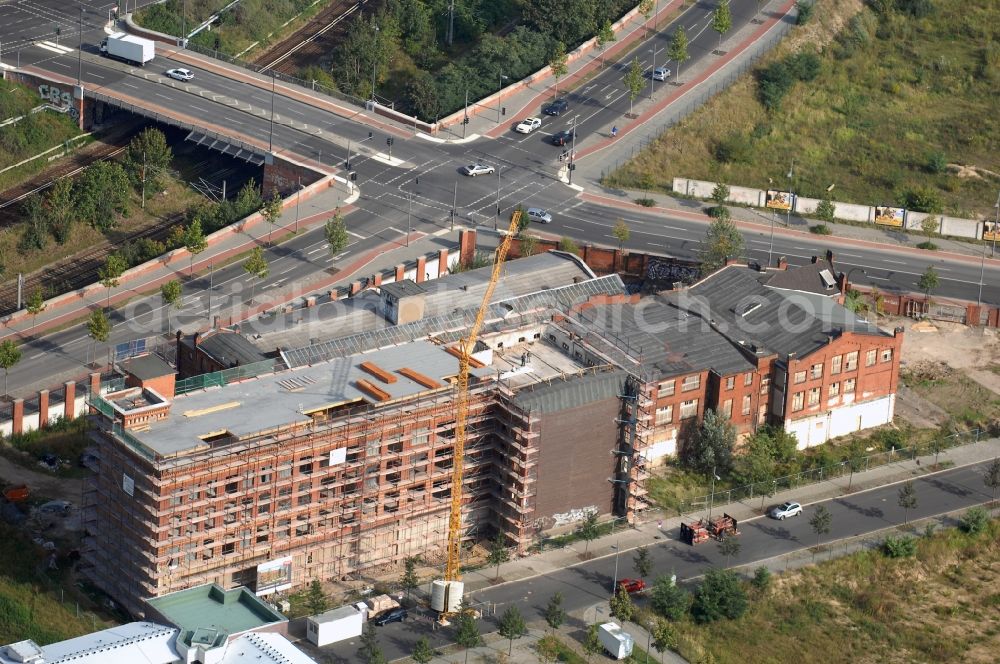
pixel 374 63
pixel 791 194
pixel 652 71
pixel 499 100
pixel 79 53
pixel 614 581
pixel 298 195
pixel 572 152
pixel 270 134
pixel 465 117
pixel 454 205
pixel 711 502
pixel 497 218
pixel 996 224
pixel 347 164
pixel 409 211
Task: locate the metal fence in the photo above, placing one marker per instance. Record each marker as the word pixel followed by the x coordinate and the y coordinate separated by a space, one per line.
pixel 847 467
pixel 224 377
pixel 703 93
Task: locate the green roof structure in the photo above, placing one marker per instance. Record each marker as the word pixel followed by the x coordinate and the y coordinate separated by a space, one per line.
pixel 207 615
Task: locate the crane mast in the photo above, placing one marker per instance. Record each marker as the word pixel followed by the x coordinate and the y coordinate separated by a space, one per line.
pixel 453 568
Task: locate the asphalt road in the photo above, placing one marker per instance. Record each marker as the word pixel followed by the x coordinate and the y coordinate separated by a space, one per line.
pixel 421 181
pixel 590 582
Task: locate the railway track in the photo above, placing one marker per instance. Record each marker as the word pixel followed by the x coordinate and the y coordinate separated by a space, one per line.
pixel 324 32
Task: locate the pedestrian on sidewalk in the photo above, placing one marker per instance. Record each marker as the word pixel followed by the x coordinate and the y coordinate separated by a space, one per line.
pixel 614 131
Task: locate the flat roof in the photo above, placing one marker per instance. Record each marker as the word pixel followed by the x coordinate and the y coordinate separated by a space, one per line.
pixel 210 607
pixel 131 643
pixel 277 400
pixel 146 367
pixel 404 288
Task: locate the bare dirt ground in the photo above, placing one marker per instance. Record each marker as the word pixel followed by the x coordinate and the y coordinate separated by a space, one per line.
pixel 972 352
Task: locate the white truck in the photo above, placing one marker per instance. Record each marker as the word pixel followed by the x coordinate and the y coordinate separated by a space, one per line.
pixel 337 624
pixel 128 48
pixel 615 640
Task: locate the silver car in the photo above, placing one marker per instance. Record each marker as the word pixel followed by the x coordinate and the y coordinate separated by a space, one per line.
pixel 180 74
pixel 472 170
pixel 539 216
pixel 785 510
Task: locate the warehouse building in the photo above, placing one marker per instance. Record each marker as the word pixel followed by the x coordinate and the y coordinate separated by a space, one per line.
pixel 336 460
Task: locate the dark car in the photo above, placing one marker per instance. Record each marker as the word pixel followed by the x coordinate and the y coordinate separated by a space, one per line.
pixel 392 615
pixel 556 107
pixel 563 137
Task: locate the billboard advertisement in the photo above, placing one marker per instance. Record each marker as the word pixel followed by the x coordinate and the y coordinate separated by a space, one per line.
pixel 779 200
pixel 889 216
pixel 991 231
pixel 274 576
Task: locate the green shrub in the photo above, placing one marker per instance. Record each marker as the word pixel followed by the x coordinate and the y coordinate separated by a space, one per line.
pixel 899 546
pixel 820 229
pixel 645 202
pixel 806 8
pixel 804 66
pixel 735 148
pixel 928 245
pixel 669 600
pixel 921 199
pixel 974 521
pixel 568 245
pixel 720 595
pixel 826 210
pixel 761 578
pixel 720 212
pixel 937 163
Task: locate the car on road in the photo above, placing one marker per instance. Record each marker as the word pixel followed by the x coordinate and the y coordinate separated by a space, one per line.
pixel 562 137
pixel 539 216
pixel 557 107
pixel 180 74
pixel 472 170
pixel 785 510
pixel 632 586
pixel 661 74
pixel 528 125
pixel 392 615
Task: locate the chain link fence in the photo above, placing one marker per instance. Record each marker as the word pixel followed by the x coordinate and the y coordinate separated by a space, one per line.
pixel 845 468
pixel 684 107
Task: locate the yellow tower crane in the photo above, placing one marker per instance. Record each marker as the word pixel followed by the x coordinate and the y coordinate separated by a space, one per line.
pixel 453 569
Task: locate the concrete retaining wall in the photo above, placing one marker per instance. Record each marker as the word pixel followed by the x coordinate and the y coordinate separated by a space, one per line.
pixel 953 226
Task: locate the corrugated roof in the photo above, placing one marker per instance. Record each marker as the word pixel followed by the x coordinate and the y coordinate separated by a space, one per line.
pixel 229 348
pixel 576 391
pixel 131 643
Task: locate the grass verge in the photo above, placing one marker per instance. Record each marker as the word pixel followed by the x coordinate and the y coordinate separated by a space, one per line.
pixel 900 104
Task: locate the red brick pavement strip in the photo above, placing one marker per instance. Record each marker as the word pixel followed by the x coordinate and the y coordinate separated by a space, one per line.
pixel 239 74
pixel 574 78
pixel 691 85
pixel 612 201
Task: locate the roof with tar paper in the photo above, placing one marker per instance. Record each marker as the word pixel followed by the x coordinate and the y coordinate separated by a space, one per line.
pixel 574 391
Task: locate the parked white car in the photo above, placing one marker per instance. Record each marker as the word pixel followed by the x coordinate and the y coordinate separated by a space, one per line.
pixel 661 74
pixel 539 216
pixel 180 74
pixel 528 125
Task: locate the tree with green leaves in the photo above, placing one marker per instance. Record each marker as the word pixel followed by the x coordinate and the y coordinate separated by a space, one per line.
pixel 147 158
pixel 668 599
pixel 605 36
pixel 555 615
pixel 467 630
pixel 678 49
pixel 498 554
pixel 10 355
pixel 512 626
pixel 559 64
pixel 621 604
pixel 35 305
pixel 712 445
pixel 820 522
pixel 722 241
pixel 60 208
pixel 907 499
pixel 826 210
pixel 336 234
pixel 622 233
pixel 527 245
pixel 720 193
pixel 589 529
pixel 991 478
pixel 642 562
pixel 271 212
pixel 422 652
pixel 370 648
pixel 194 241
pixel 929 226
pixel 729 547
pixel 634 82
pixel 102 193
pixel 98 329
pixel 568 245
pixel 409 581
pixel 722 20
pixel 592 643
pixel 664 637
pixel 928 281
pixel 720 595
pixel 315 599
pixel 110 274
pixel 171 293
pixel 256 266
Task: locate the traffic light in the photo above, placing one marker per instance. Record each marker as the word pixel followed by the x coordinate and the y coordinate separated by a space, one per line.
pixel 354 176
pixel 466 120
pixel 503 111
pixel 389 141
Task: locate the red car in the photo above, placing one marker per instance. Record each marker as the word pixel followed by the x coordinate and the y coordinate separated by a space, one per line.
pixel 632 586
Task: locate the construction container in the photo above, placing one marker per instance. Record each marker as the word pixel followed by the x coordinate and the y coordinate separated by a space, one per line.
pixel 615 640
pixel 380 604
pixel 337 624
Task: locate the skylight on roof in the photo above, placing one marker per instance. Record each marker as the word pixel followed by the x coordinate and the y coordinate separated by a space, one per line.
pixel 827 278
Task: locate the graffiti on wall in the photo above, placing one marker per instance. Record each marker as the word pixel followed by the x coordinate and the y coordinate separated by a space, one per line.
pixel 572 516
pixel 661 269
pixel 58 97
